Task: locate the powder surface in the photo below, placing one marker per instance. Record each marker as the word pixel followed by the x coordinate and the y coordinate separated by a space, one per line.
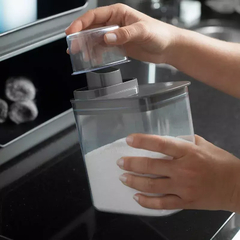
pixel 108 193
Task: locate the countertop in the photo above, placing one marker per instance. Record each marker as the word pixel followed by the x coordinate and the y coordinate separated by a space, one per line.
pixel 42 199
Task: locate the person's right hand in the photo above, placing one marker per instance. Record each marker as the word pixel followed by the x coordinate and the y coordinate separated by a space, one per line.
pixel 143 37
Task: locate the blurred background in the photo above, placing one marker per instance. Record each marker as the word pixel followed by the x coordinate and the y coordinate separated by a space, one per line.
pixel 41 170
pixel 36 30
pixel 14 14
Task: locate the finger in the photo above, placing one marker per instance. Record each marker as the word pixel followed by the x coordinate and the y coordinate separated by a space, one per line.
pixel 146 165
pixel 167 202
pixel 188 138
pixel 169 146
pixel 127 34
pixel 99 50
pixel 75 46
pixel 204 144
pixel 147 184
pixel 99 56
pixel 95 26
pixel 101 15
pixel 200 141
pixel 82 47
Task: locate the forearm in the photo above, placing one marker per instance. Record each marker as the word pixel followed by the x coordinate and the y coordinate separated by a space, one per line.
pixel 214 62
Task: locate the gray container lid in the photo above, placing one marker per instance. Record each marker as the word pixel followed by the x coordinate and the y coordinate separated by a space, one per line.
pixel 148 97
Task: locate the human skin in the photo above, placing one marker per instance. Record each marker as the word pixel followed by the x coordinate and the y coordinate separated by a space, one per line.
pixel 201 175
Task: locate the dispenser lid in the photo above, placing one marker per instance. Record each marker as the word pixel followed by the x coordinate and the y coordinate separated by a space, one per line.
pixel 149 97
pixel 89 52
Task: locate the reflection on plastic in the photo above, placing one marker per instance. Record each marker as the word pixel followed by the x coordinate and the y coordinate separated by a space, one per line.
pixel 16 13
pixel 237 236
pixel 89 52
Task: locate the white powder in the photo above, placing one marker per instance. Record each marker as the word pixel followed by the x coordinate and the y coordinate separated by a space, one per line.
pixel 108 193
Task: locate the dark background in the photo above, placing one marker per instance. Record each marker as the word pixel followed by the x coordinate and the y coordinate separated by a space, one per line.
pixel 49 68
pixel 47 8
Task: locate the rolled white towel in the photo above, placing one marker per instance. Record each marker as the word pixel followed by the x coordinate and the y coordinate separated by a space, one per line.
pixel 3 111
pixel 20 89
pixel 21 112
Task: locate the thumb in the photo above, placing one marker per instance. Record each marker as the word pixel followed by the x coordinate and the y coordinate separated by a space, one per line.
pixel 126 34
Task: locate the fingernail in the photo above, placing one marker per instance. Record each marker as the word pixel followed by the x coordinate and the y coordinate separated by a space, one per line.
pixel 123 178
pixel 120 162
pixel 129 140
pixel 136 198
pixel 111 37
pixel 67 51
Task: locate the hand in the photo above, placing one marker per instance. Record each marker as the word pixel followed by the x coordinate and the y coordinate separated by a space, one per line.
pixel 143 37
pixel 200 176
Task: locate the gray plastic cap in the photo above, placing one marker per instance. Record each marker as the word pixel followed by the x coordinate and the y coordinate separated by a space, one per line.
pixel 104 78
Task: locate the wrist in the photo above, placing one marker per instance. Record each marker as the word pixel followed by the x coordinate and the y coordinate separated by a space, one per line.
pixel 174 53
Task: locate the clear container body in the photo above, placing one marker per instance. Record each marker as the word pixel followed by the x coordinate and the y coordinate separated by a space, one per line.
pixel 89 52
pixel 102 140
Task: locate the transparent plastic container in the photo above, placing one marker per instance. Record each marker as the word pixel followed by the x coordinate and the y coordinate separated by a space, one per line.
pixel 89 52
pixel 103 124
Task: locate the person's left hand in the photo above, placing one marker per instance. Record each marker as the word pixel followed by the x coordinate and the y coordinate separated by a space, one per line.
pixel 200 176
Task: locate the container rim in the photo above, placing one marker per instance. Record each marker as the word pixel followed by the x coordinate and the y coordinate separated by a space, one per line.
pixel 136 102
pixel 176 86
pixel 89 31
